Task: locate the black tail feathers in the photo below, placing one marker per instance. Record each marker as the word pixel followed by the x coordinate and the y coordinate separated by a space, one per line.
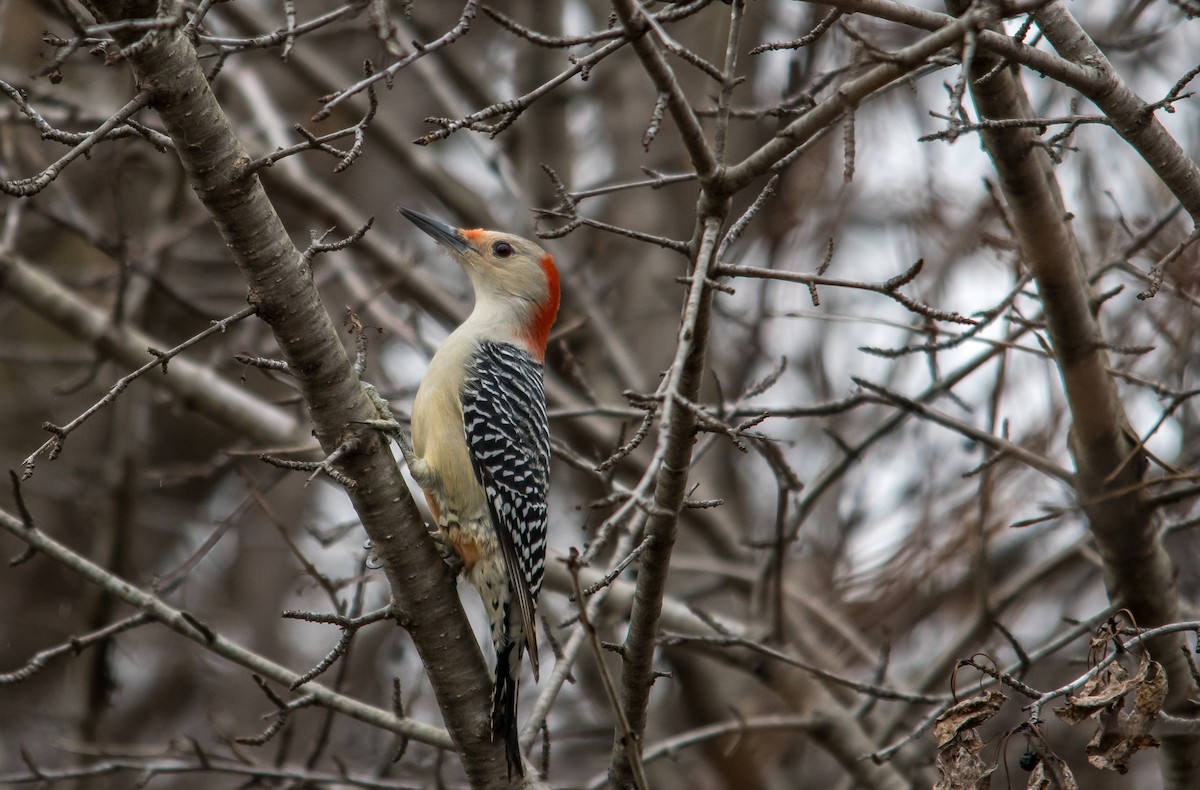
pixel 504 706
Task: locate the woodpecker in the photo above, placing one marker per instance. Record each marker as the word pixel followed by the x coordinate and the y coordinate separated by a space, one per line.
pixel 480 447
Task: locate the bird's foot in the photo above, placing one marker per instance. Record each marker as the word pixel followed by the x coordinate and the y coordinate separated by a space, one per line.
pixel 385 423
pixel 446 550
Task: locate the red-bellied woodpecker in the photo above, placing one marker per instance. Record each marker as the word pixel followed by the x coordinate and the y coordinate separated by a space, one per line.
pixel 481 443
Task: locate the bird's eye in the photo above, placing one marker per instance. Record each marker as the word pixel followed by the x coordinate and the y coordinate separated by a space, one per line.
pixel 502 249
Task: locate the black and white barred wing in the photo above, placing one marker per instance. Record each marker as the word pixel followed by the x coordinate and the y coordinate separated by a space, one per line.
pixel 504 414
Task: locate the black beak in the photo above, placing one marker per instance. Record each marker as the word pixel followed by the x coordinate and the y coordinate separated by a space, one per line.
pixel 440 231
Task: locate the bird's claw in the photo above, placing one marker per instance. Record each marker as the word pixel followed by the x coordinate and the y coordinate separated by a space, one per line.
pixel 386 423
pixel 446 550
pixel 372 560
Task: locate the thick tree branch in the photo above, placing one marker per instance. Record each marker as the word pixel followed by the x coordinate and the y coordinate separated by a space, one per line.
pixel 1131 117
pixel 281 287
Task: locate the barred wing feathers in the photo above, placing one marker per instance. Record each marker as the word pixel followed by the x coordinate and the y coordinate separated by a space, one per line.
pixel 504 416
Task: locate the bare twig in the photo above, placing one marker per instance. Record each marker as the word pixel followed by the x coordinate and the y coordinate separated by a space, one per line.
pixel 25 187
pixel 53 446
pixel 625 730
pixel 188 627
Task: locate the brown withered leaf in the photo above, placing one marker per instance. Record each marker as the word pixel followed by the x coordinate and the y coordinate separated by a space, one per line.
pixel 967 714
pixel 1100 692
pixel 1148 699
pixel 959 764
pixel 960 767
pixel 1110 751
pixel 1051 774
pixel 1122 735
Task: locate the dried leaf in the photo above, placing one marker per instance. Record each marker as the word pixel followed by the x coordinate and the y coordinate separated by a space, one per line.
pixel 1100 692
pixel 1111 752
pixel 1147 700
pixel 967 714
pixel 1122 735
pixel 1051 774
pixel 959 765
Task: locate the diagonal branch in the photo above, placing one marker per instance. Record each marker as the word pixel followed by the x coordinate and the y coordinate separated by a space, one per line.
pixel 847 98
pixel 218 399
pixel 281 287
pixel 53 446
pixel 997 444
pixel 636 24
pixel 1129 115
pixel 188 626
pixel 25 187
pixel 994 41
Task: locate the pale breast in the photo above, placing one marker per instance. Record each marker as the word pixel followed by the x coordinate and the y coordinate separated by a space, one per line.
pixel 438 435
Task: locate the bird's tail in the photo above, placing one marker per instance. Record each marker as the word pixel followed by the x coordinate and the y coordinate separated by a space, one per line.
pixel 504 704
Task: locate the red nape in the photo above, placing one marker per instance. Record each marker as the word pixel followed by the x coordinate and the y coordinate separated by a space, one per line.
pixel 543 317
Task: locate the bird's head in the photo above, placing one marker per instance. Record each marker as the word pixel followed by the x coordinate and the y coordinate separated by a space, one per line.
pixel 515 281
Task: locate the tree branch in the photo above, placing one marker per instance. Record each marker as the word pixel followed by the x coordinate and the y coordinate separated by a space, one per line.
pixel 189 627
pixel 845 99
pixel 1130 116
pixel 676 436
pixel 281 288
pixel 637 25
pixel 200 387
